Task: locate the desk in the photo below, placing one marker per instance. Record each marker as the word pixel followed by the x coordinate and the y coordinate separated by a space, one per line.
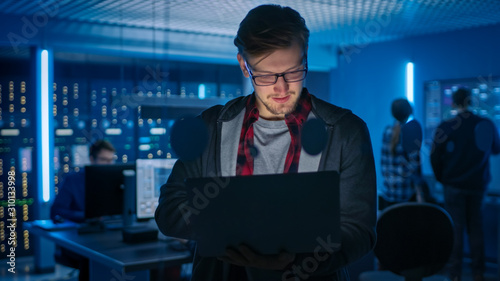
pixel 110 258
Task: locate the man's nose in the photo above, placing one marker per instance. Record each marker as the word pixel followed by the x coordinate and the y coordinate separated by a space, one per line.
pixel 281 85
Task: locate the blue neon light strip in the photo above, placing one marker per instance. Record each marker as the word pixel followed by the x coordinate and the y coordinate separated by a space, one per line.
pixel 409 82
pixel 44 148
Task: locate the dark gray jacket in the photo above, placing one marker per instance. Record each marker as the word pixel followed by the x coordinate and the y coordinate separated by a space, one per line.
pixel 461 151
pixel 348 151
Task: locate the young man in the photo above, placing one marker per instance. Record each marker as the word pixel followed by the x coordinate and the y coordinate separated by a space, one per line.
pixel 460 156
pixel 272 46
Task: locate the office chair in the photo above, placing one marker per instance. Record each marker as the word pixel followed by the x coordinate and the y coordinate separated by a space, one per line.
pixel 414 240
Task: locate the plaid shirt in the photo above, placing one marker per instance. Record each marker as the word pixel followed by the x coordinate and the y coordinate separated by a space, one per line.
pixel 398 170
pixel 294 121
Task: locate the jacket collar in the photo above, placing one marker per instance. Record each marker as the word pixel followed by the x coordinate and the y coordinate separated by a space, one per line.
pixel 329 113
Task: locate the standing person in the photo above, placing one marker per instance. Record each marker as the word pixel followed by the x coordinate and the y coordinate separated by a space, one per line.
pixel 400 156
pixel 70 204
pixel 272 44
pixel 460 159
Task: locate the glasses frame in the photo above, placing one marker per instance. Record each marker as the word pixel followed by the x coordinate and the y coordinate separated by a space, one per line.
pixel 277 75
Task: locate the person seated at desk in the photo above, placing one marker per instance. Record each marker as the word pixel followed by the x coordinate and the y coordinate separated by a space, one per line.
pixel 69 203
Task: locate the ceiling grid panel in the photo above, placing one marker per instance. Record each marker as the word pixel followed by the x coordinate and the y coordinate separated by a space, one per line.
pixel 333 23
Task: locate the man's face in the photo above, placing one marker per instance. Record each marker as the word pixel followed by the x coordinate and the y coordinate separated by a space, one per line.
pixel 276 100
pixel 104 157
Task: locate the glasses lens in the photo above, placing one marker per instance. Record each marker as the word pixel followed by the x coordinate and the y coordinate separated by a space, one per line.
pixel 295 76
pixel 265 80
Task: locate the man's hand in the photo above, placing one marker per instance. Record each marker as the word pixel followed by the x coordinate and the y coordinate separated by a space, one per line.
pixel 244 256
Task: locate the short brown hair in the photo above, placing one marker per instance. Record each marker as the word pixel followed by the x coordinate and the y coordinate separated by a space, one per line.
pixel 271 27
pixel 99 145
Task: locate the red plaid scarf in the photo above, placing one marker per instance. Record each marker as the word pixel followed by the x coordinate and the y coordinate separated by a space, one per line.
pixel 294 121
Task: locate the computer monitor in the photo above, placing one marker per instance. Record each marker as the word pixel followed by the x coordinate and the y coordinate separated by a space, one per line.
pixel 151 174
pixel 485 100
pixel 104 190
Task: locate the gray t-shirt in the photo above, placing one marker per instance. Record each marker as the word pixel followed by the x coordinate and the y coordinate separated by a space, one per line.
pixel 272 141
pixel 231 131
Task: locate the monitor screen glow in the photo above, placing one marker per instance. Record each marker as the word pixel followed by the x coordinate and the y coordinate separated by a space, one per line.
pixel 151 175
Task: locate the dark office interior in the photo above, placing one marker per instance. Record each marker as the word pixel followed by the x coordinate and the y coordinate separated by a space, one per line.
pixel 73 72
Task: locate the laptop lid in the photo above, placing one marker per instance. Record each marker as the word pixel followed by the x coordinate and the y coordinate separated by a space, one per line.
pixel 296 212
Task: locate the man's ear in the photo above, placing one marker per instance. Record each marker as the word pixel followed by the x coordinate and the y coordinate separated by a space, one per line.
pixel 241 62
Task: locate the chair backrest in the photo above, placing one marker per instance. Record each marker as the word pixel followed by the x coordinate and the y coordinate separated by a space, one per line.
pixel 414 240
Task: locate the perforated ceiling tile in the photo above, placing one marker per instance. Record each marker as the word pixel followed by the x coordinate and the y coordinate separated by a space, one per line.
pixel 331 22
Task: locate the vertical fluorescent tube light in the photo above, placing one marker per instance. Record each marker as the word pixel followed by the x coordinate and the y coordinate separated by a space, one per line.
pixel 44 119
pixel 201 91
pixel 409 82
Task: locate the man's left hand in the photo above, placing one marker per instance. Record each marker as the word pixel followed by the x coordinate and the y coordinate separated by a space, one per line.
pixel 244 256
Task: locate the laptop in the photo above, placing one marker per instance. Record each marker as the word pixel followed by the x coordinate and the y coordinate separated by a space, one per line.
pixel 297 212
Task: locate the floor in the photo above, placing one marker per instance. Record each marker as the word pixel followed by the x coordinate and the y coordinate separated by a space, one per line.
pixel 25 272
pixel 490 275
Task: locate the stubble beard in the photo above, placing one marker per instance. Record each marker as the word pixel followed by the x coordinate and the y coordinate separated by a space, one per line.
pixel 277 108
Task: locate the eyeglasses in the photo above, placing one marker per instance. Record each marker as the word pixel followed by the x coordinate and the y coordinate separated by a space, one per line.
pixel 105 160
pixel 271 79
